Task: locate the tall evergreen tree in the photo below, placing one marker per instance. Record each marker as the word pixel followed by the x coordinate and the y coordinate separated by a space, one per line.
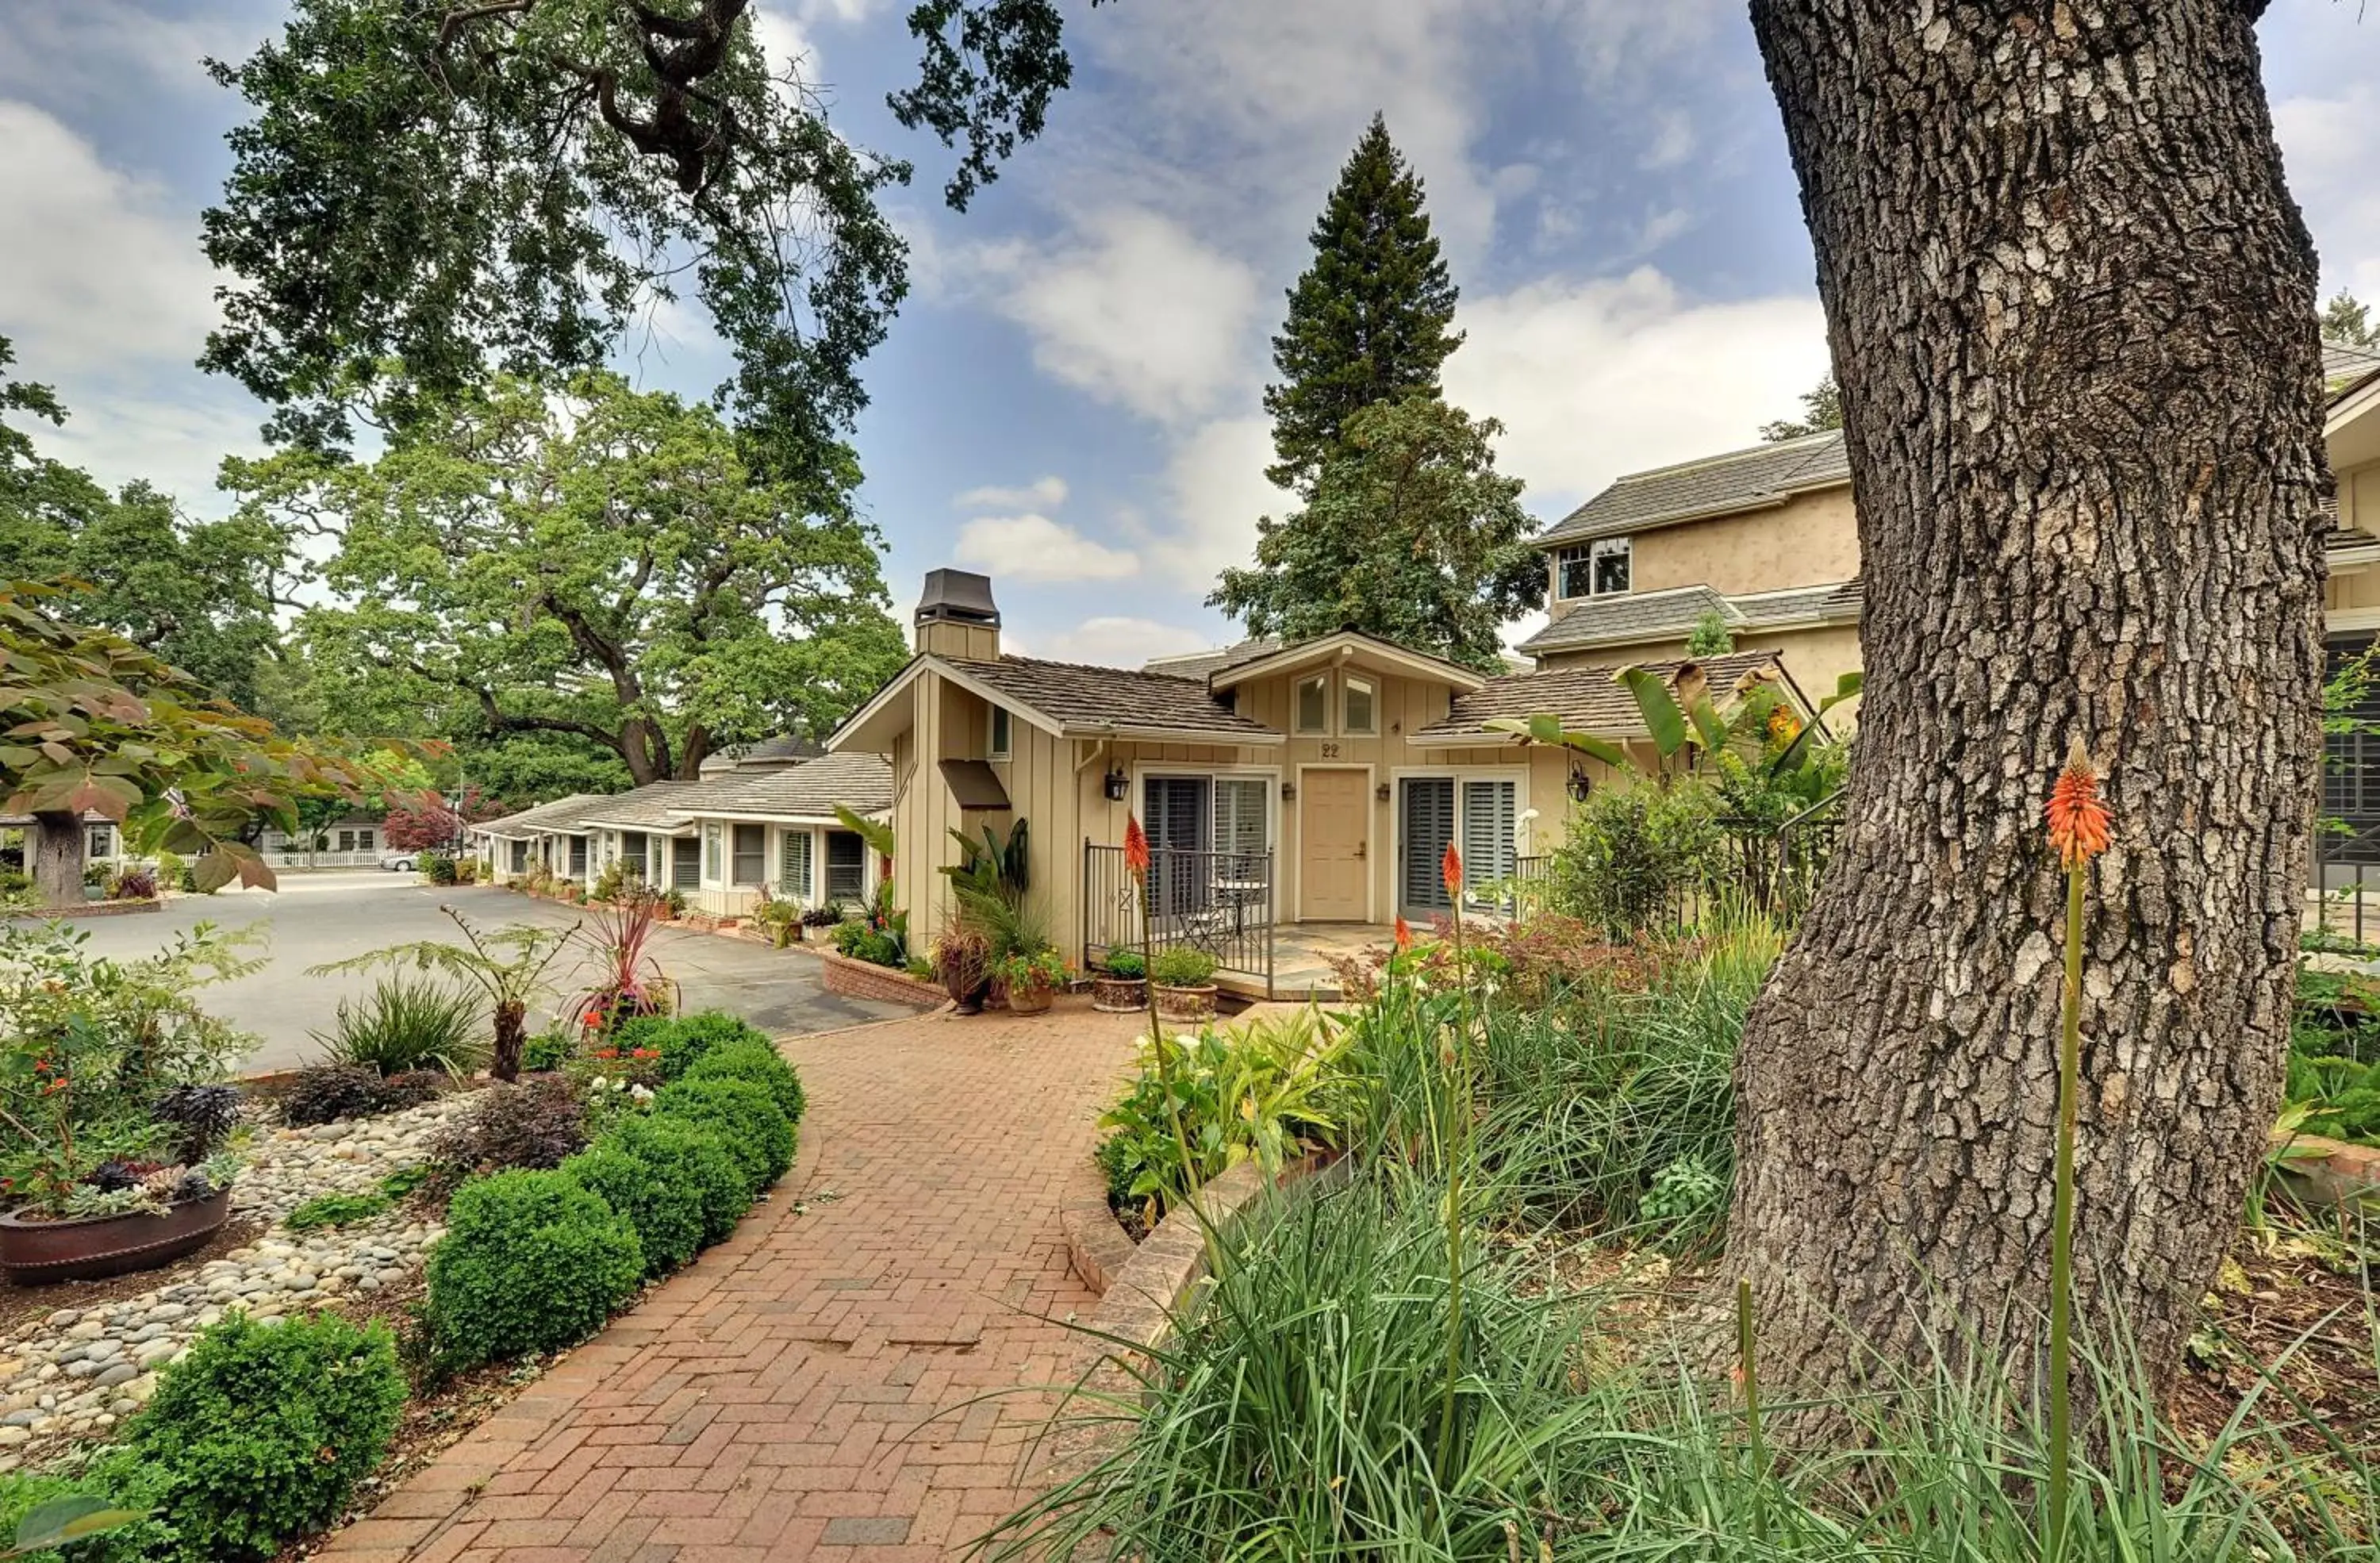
pixel 1369 322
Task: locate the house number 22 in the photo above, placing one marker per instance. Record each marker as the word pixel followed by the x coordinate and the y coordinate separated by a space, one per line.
pixel 1329 751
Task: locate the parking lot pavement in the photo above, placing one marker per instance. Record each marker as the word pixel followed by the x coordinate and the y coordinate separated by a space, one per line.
pixel 316 918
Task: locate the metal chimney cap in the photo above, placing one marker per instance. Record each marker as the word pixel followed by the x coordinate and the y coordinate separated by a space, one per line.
pixel 959 597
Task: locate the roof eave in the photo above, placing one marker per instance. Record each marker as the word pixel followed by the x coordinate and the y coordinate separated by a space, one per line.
pixel 1261 736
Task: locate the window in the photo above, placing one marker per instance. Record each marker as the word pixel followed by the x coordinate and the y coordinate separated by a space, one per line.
pixel 847 860
pixel 1481 814
pixel 714 843
pixel 1358 704
pixel 751 853
pixel 1240 815
pixel 578 857
pixel 1611 558
pixel 1000 735
pixel 1314 704
pixel 346 841
pixel 521 857
pixel 1489 819
pixel 685 864
pixel 793 863
pixel 1596 569
pixel 102 842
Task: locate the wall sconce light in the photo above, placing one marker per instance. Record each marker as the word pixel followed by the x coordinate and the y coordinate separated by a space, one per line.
pixel 1289 792
pixel 1580 786
pixel 1382 792
pixel 1115 784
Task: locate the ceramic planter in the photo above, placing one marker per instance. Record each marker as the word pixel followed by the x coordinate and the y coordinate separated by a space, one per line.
pixel 1119 996
pixel 85 1249
pixel 1028 1000
pixel 1196 1003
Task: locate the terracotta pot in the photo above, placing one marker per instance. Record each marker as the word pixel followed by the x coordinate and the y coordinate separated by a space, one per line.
pixel 1028 1000
pixel 1185 1003
pixel 92 1246
pixel 1119 996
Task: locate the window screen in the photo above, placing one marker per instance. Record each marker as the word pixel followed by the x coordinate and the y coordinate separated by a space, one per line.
pixel 751 853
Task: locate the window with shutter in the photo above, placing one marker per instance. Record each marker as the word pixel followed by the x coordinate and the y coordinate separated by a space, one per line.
pixel 1240 816
pixel 686 867
pixel 1489 821
pixel 793 863
pixel 1428 827
pixel 751 853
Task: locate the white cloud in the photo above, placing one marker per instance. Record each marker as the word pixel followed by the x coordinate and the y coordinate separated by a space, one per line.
pixel 1042 493
pixel 1120 642
pixel 1132 307
pixel 1596 378
pixel 1215 489
pixel 1034 547
pixel 2325 146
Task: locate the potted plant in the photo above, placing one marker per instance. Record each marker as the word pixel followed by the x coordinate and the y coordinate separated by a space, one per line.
pixel 778 919
pixel 1029 978
pixel 962 963
pixel 1122 987
pixel 105 1199
pixel 1181 982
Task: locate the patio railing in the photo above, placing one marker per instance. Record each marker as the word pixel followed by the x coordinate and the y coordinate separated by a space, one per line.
pixel 2346 876
pixel 1218 902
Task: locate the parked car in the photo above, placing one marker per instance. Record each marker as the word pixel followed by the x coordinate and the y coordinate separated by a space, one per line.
pixel 400 862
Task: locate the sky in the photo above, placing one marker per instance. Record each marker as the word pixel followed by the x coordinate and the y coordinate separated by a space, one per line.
pixel 1070 401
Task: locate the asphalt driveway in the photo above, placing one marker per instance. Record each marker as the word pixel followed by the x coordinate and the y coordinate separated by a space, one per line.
pixel 315 918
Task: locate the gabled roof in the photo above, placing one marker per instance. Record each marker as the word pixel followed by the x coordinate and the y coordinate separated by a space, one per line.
pixel 559 815
pixel 1751 478
pixel 1630 618
pixel 785 749
pixel 1075 697
pixel 862 782
pixel 1341 645
pixel 1583 699
pixel 1205 664
pixel 657 805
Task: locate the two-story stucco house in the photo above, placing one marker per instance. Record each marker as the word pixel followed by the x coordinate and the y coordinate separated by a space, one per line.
pixel 1301 786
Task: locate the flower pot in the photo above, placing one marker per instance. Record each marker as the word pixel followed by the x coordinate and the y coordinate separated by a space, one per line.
pixel 1119 996
pixel 1028 1000
pixel 1183 1003
pixel 92 1246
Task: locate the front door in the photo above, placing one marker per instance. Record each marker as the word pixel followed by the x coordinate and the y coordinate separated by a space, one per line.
pixel 1334 837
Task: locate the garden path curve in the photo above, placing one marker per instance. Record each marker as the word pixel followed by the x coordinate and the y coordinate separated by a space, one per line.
pixel 776 1399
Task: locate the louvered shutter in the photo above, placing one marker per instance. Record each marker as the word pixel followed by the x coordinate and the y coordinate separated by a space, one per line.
pixel 793 863
pixel 1488 810
pixel 1428 825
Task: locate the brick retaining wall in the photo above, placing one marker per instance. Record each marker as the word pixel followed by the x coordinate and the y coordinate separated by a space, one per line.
pixel 864 979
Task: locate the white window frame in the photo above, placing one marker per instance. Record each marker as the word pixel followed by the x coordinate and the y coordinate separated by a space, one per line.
pixel 1590 554
pixel 1516 774
pixel 807 893
pixel 1269 775
pixel 714 854
pixel 1371 684
pixel 735 854
pixel 1000 734
pixel 1296 709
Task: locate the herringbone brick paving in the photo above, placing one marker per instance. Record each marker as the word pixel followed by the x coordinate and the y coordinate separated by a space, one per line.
pixel 779 1399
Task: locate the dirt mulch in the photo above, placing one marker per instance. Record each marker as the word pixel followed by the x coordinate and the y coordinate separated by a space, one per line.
pixel 2295 1310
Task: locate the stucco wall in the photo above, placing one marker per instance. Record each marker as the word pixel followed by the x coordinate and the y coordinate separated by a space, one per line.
pixel 1809 540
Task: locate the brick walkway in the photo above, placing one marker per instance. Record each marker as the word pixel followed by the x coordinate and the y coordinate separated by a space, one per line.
pixel 772 1401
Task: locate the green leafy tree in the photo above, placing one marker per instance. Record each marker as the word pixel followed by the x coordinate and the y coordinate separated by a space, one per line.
pixel 2347 320
pixel 1822 408
pixel 1370 320
pixel 1710 636
pixel 200 595
pixel 1410 534
pixel 92 724
pixel 604 567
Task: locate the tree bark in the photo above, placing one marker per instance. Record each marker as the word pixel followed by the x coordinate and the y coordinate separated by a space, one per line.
pixel 2070 304
pixel 56 845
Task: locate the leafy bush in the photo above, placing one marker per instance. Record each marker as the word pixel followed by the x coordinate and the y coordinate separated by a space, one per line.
pixel 437 867
pixel 758 1064
pixel 2334 1067
pixel 757 1131
pixel 825 916
pixel 202 1116
pixel 694 1154
pixel 262 1430
pixel 1182 966
pixel 878 947
pixel 1125 963
pixel 406 1023
pixel 410 1090
pixel 133 884
pixel 337 1210
pixel 114 1478
pixel 660 1203
pixel 546 1052
pixel 533 1123
pixel 532 1261
pixel 680 1042
pixel 324 1091
pixel 1633 855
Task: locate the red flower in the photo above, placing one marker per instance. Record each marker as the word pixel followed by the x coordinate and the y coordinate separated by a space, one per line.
pixel 2078 820
pixel 1405 935
pixel 1449 869
pixel 1135 847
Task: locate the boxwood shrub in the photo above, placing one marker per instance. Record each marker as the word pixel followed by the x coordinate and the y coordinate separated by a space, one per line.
pixel 695 1154
pixel 757 1063
pixel 122 1481
pixel 661 1201
pixel 532 1261
pixel 744 1116
pixel 261 1434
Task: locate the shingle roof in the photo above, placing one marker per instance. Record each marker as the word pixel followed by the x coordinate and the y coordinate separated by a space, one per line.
pixel 1207 664
pixel 655 805
pixel 1075 695
pixel 552 816
pixel 1712 486
pixel 862 782
pixel 1584 699
pixel 1657 615
pixel 785 749
pixel 2344 364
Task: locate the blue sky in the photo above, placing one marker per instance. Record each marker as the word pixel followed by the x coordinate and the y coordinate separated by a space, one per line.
pixel 1071 400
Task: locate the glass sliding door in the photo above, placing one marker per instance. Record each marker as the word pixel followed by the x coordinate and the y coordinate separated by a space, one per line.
pixel 1427 827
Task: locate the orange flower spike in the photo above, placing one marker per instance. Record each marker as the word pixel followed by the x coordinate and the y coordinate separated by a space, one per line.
pixel 2078 819
pixel 1135 847
pixel 1405 935
pixel 1449 869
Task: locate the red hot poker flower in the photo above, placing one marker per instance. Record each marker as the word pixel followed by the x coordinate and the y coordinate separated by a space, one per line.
pixel 1405 935
pixel 2078 819
pixel 1135 847
pixel 1449 869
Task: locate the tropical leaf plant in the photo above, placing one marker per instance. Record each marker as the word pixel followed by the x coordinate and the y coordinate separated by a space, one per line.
pixel 1680 714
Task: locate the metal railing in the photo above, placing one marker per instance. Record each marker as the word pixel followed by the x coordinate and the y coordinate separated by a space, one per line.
pixel 1218 902
pixel 2346 881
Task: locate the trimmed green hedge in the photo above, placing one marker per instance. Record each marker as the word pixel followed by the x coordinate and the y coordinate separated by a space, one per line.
pixel 696 1156
pixel 758 1063
pixel 530 1261
pixel 661 1204
pixel 755 1130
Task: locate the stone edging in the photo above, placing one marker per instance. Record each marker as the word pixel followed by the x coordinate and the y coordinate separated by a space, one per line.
pixel 87 909
pixel 2330 1172
pixel 863 979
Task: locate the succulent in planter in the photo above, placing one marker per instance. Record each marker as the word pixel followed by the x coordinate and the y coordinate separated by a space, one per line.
pixel 202 1117
pixel 1181 980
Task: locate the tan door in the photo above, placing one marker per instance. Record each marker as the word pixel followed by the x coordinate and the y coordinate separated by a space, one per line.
pixel 1334 829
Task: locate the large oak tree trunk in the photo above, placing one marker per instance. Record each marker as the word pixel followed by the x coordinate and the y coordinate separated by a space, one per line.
pixel 2071 306
pixel 54 848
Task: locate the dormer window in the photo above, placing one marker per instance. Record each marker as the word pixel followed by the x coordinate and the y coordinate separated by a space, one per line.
pixel 1595 569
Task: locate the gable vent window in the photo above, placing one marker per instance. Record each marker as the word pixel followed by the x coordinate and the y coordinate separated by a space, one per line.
pixel 1361 703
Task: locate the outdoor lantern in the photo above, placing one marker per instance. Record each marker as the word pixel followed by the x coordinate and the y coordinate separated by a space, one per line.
pixel 1579 784
pixel 1289 792
pixel 1115 784
pixel 1382 792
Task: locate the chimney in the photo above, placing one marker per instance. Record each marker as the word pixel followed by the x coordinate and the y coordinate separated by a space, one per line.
pixel 956 617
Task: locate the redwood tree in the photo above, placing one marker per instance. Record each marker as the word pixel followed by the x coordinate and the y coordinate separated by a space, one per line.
pixel 2072 305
